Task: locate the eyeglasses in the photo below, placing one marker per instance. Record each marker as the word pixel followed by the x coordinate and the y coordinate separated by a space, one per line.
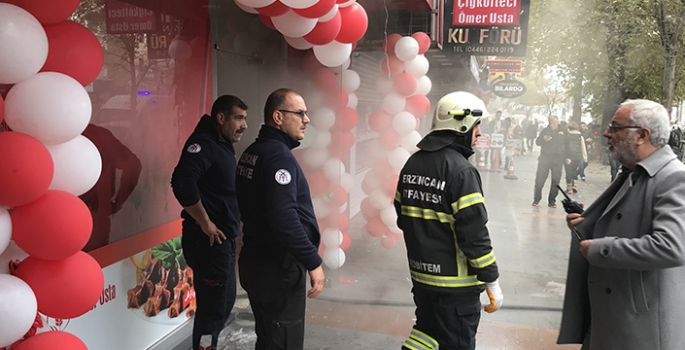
pixel 611 128
pixel 300 114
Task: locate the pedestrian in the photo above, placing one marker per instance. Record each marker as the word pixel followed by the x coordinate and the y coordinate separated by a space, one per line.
pixel 441 209
pixel 577 154
pixel 281 235
pixel 553 150
pixel 627 275
pixel 587 137
pixel 531 132
pixel 204 184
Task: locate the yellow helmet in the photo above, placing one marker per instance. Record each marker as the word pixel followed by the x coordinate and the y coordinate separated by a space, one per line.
pixel 459 111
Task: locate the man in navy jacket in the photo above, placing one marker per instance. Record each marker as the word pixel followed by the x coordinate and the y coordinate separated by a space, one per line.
pixel 281 236
pixel 204 184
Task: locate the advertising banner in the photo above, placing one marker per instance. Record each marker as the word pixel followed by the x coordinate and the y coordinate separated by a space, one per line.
pixel 485 27
pixel 122 18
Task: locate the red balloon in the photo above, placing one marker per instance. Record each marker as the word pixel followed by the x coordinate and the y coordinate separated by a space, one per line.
pixel 339 196
pixel 346 140
pixel 390 185
pixel 337 98
pixel 319 9
pixel 366 188
pixel 64 288
pixel 318 182
pixel 424 41
pixel 267 21
pixel 273 10
pixel 325 32
pixel 380 121
pixel 354 24
pixel 368 211
pixel 418 105
pixel 388 241
pixel 390 139
pixel 330 221
pixel 73 50
pixel 348 119
pixel 405 84
pixel 322 248
pixel 346 241
pixel 382 169
pixel 391 66
pixel 310 64
pixel 26 171
pixel 344 222
pixel 376 227
pixel 341 153
pixel 53 340
pixel 341 1
pixel 47 12
pixel 53 227
pixel 389 43
pixel 325 79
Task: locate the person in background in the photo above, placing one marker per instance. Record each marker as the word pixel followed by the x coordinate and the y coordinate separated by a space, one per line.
pixel 204 184
pixel 553 153
pixel 577 154
pixel 281 235
pixel 586 133
pixel 451 260
pixel 626 276
pixel 531 132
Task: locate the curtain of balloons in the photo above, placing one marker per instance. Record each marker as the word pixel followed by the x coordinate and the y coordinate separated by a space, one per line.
pixel 46 164
pixel 404 85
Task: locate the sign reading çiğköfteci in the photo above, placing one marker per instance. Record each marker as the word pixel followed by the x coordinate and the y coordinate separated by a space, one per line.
pixel 485 27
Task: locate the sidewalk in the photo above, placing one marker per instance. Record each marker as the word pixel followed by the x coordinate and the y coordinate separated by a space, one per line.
pixel 367 303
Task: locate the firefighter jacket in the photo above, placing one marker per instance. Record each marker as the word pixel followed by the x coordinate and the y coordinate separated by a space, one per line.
pixel 441 210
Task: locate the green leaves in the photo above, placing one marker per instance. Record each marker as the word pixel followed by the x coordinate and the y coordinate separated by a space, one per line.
pixel 170 252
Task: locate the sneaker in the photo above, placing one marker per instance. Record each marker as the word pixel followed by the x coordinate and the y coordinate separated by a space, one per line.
pixel 535 204
pixel 582 178
pixel 575 189
pixel 571 191
pixel 552 205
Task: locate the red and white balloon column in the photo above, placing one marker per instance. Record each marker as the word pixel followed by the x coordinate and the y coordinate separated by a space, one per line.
pixel 404 85
pixel 46 164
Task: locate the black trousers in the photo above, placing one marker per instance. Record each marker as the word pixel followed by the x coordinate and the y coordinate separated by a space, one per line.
pixel 546 166
pixel 451 319
pixel 277 292
pixel 214 282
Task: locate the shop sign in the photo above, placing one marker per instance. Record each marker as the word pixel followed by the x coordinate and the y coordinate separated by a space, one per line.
pixel 508 88
pixel 504 66
pixel 485 27
pixel 158 43
pixel 122 18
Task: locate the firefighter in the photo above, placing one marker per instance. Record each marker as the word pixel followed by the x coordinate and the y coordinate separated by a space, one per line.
pixel 441 209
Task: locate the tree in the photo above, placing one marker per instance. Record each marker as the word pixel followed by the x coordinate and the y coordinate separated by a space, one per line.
pixel 670 28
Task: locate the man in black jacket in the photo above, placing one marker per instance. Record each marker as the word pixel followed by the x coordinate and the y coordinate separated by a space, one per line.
pixel 204 184
pixel 281 235
pixel 553 142
pixel 441 210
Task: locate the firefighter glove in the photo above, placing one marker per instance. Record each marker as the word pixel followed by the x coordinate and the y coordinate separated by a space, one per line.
pixel 495 295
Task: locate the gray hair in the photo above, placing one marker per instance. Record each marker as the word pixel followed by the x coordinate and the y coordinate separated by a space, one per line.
pixel 652 115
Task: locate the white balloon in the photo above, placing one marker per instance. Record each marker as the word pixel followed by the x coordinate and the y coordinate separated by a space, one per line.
pixel 50 106
pixel 310 137
pixel 406 48
pixel 332 54
pixel 379 199
pixel 423 86
pixel 323 118
pixel 246 8
pixel 5 229
pixel 180 50
pixel 352 100
pixel 255 3
pixel 298 43
pixel 394 228
pixel 334 169
pixel 347 182
pixel 404 123
pixel 331 237
pixel 348 3
pixel 384 85
pixel 293 25
pixel 334 257
pixel 350 81
pixel 77 165
pixel 346 64
pixel 323 139
pixel 418 66
pixel 299 4
pixel 389 216
pixel 343 208
pixel 329 16
pixel 410 141
pixel 18 307
pixel 24 44
pixel 393 103
pixel 315 157
pixel 397 158
pixel 321 207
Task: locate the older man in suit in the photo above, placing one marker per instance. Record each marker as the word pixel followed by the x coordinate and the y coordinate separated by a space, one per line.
pixel 626 276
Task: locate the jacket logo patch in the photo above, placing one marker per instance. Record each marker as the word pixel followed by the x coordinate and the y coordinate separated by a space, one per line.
pixel 194 148
pixel 283 177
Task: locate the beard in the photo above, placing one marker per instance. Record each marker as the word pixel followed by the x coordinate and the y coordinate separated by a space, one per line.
pixel 624 152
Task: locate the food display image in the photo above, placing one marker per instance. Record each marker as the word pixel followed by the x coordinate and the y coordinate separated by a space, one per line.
pixel 164 284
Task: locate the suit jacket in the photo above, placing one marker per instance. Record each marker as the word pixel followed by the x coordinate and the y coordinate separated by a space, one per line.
pixel 628 292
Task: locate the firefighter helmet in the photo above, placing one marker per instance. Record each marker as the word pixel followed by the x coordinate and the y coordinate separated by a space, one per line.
pixel 459 111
